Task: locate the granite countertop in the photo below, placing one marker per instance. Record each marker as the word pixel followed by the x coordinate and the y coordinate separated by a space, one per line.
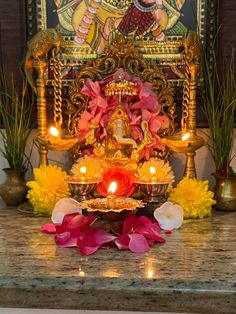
pixel 194 271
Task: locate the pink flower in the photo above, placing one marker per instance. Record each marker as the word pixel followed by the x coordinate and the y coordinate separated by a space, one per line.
pixel 145 90
pixel 91 89
pixel 142 107
pixel 76 231
pixel 138 234
pixel 98 104
pixel 84 120
pixel 136 133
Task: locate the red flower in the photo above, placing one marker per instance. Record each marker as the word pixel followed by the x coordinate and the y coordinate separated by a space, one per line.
pixel 124 179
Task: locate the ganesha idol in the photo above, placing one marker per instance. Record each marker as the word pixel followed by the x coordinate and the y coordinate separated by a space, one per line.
pixel 123 120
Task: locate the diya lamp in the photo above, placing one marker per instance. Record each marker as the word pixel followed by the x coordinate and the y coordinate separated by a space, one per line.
pixel 55 140
pixel 111 197
pixel 153 188
pixel 82 187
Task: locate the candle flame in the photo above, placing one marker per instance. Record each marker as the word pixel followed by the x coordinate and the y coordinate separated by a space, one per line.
pixel 150 273
pixel 152 170
pixel 54 131
pixel 83 170
pixel 185 136
pixel 112 187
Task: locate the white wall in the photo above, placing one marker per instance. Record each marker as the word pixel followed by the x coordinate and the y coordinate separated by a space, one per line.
pixel 203 160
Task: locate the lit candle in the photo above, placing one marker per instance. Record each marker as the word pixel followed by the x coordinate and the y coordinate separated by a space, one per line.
pixel 111 198
pixel 54 131
pixel 153 172
pixel 83 171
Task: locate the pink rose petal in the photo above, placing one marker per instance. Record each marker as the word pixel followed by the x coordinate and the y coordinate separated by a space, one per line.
pixel 130 224
pixel 86 250
pixel 149 232
pixel 48 228
pixel 122 242
pixel 65 240
pixel 138 243
pixel 96 237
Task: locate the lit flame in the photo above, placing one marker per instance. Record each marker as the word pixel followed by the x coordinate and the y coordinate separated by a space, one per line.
pixel 54 131
pixel 186 136
pixel 152 170
pixel 83 170
pixel 112 187
pixel 150 273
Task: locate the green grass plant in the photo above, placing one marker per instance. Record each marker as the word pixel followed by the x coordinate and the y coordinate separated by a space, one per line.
pixel 15 119
pixel 219 105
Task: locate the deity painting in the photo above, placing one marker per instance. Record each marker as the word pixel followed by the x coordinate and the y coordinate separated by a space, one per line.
pixel 95 22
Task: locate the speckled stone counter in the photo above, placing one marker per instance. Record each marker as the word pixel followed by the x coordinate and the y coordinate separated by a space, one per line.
pixel 193 272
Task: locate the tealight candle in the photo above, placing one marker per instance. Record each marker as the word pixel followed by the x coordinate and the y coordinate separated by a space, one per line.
pixel 111 198
pixel 83 171
pixel 153 173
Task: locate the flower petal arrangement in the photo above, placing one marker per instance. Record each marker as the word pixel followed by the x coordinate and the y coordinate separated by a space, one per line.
pixel 76 230
pixel 142 107
pixel 194 197
pixel 48 187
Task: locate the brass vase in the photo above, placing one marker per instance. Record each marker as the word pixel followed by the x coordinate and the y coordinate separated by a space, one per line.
pixel 13 191
pixel 225 193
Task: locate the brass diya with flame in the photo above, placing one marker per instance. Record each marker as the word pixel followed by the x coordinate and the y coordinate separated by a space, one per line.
pixel 153 188
pixel 112 207
pixel 82 187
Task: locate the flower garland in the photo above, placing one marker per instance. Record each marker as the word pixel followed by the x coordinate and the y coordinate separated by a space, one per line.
pixel 139 108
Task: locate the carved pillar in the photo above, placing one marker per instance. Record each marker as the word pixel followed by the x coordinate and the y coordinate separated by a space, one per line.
pixel 194 70
pixel 40 66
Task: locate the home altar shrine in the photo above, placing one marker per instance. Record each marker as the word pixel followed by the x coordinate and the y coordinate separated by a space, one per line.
pixel 119 114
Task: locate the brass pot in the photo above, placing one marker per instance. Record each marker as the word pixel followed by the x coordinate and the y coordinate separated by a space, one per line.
pixel 225 193
pixel 13 191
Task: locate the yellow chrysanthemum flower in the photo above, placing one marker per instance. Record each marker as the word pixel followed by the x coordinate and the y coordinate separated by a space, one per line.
pixel 193 196
pixel 162 168
pixel 48 187
pixel 93 166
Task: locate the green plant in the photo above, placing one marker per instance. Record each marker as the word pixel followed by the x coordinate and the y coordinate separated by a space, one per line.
pixel 219 105
pixel 15 116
